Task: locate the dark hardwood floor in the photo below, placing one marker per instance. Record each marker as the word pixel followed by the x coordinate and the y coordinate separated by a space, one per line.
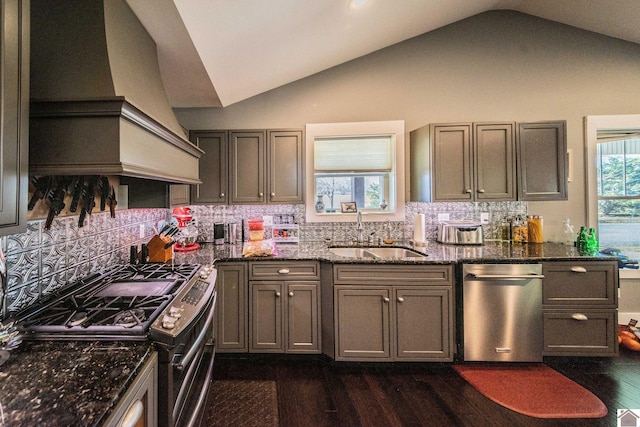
pixel 313 391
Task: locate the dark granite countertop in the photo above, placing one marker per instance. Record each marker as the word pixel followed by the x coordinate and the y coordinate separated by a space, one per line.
pixel 437 253
pixel 67 383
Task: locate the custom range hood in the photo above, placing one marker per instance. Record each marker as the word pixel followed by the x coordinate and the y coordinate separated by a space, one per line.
pixel 98 105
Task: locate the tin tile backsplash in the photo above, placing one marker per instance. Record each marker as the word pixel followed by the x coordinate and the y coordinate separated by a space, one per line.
pixel 41 261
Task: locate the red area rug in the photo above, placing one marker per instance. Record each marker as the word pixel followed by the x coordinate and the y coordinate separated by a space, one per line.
pixel 534 390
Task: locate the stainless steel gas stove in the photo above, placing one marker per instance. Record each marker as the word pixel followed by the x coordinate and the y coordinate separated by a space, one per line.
pixel 173 306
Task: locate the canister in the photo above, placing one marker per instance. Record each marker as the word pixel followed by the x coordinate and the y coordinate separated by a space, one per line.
pixel 534 223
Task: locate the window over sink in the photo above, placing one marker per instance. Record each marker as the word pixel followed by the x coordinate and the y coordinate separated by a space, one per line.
pixel 352 167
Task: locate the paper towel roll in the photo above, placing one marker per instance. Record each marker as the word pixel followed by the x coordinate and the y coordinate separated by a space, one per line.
pixel 418 229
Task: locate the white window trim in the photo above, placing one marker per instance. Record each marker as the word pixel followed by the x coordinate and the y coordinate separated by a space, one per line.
pixel 591 126
pixel 316 130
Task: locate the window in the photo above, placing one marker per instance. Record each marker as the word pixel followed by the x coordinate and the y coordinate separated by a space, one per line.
pixel 613 144
pixel 361 163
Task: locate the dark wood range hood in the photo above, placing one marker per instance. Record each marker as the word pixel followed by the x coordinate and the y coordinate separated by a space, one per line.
pixel 98 105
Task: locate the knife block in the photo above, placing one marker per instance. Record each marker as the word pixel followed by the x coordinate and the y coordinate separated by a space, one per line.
pixel 157 251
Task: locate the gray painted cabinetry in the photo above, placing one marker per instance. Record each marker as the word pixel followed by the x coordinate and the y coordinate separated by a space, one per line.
pixel 232 317
pixel 542 161
pixel 250 166
pixel 393 312
pixel 580 302
pixel 489 162
pixel 14 114
pixel 284 307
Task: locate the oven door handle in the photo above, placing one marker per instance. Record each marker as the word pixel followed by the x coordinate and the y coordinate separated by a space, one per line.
pixel 198 342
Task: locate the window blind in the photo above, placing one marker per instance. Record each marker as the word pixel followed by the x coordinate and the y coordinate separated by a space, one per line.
pixel 362 154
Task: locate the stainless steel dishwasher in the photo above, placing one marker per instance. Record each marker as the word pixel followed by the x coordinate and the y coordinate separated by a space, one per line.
pixel 502 309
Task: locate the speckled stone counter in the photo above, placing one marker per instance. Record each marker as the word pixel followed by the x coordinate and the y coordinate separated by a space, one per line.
pixel 436 253
pixel 62 383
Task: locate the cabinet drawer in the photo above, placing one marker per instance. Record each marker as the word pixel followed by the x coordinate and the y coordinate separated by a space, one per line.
pixel 284 270
pixel 389 274
pixel 580 283
pixel 580 332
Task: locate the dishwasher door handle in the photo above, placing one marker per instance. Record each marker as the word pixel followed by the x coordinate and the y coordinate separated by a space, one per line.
pixel 504 276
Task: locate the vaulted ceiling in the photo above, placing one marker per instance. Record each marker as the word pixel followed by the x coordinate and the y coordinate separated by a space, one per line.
pixel 215 53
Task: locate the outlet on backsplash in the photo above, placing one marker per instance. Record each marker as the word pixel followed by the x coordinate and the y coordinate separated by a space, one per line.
pixel 443 217
pixel 141 231
pixel 484 217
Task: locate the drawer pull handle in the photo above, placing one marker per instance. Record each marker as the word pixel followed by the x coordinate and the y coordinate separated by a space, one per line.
pixel 385 299
pixel 133 415
pixel 577 269
pixel 579 316
pixel 283 271
pixel 290 294
pixel 400 299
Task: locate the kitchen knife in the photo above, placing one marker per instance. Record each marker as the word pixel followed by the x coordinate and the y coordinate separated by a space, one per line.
pixel 41 185
pixel 105 188
pixel 76 193
pixel 111 201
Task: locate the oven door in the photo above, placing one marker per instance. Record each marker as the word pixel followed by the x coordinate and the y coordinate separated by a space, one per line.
pixel 188 372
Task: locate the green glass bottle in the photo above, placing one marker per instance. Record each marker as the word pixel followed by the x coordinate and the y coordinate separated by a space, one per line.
pixel 592 242
pixel 581 243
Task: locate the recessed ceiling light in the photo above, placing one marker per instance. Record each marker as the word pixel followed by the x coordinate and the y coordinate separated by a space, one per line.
pixel 356 3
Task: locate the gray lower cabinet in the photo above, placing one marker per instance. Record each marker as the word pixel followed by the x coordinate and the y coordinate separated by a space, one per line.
pixel 393 313
pixel 232 316
pixel 14 115
pixel 542 161
pixel 139 405
pixel 284 307
pixel 580 301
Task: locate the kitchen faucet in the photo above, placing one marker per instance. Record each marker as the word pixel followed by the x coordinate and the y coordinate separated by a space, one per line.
pixel 359 228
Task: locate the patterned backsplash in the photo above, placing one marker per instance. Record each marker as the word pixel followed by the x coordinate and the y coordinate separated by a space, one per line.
pixel 41 261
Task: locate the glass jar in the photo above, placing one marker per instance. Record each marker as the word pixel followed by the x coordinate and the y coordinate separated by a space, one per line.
pixel 534 225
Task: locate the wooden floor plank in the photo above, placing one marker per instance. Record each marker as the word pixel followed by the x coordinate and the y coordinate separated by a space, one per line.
pixel 314 391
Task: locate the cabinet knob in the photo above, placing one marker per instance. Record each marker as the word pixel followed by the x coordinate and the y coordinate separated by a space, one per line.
pixel 578 269
pixel 385 299
pixel 273 194
pixel 261 194
pixel 481 190
pixel 283 271
pixel 468 190
pixel 579 316
pixel 400 299
pixel 221 194
pixel 277 294
pixel 290 294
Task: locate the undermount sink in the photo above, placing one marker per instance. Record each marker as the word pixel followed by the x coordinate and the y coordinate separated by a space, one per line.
pixel 376 252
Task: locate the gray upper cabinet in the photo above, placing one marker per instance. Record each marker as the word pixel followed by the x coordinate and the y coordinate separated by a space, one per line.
pixel 14 114
pixel 286 166
pixel 468 162
pixel 542 161
pixel 494 152
pixel 249 167
pixel 247 155
pixel 214 171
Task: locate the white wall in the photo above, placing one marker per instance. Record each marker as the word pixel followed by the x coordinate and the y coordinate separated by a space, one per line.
pixel 499 65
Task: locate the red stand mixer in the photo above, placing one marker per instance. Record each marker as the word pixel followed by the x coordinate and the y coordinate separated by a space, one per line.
pixel 186 240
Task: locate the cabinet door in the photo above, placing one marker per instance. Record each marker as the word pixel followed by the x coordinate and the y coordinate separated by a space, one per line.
pixel 452 165
pixel 542 158
pixel 14 115
pixel 178 195
pixel 232 320
pixel 213 166
pixel 494 151
pixel 423 329
pixel 286 166
pixel 247 167
pixel 362 323
pixel 302 317
pixel 266 317
pixel 580 332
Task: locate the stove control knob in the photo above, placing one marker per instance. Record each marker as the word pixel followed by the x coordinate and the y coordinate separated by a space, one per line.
pixel 175 312
pixel 204 274
pixel 169 322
